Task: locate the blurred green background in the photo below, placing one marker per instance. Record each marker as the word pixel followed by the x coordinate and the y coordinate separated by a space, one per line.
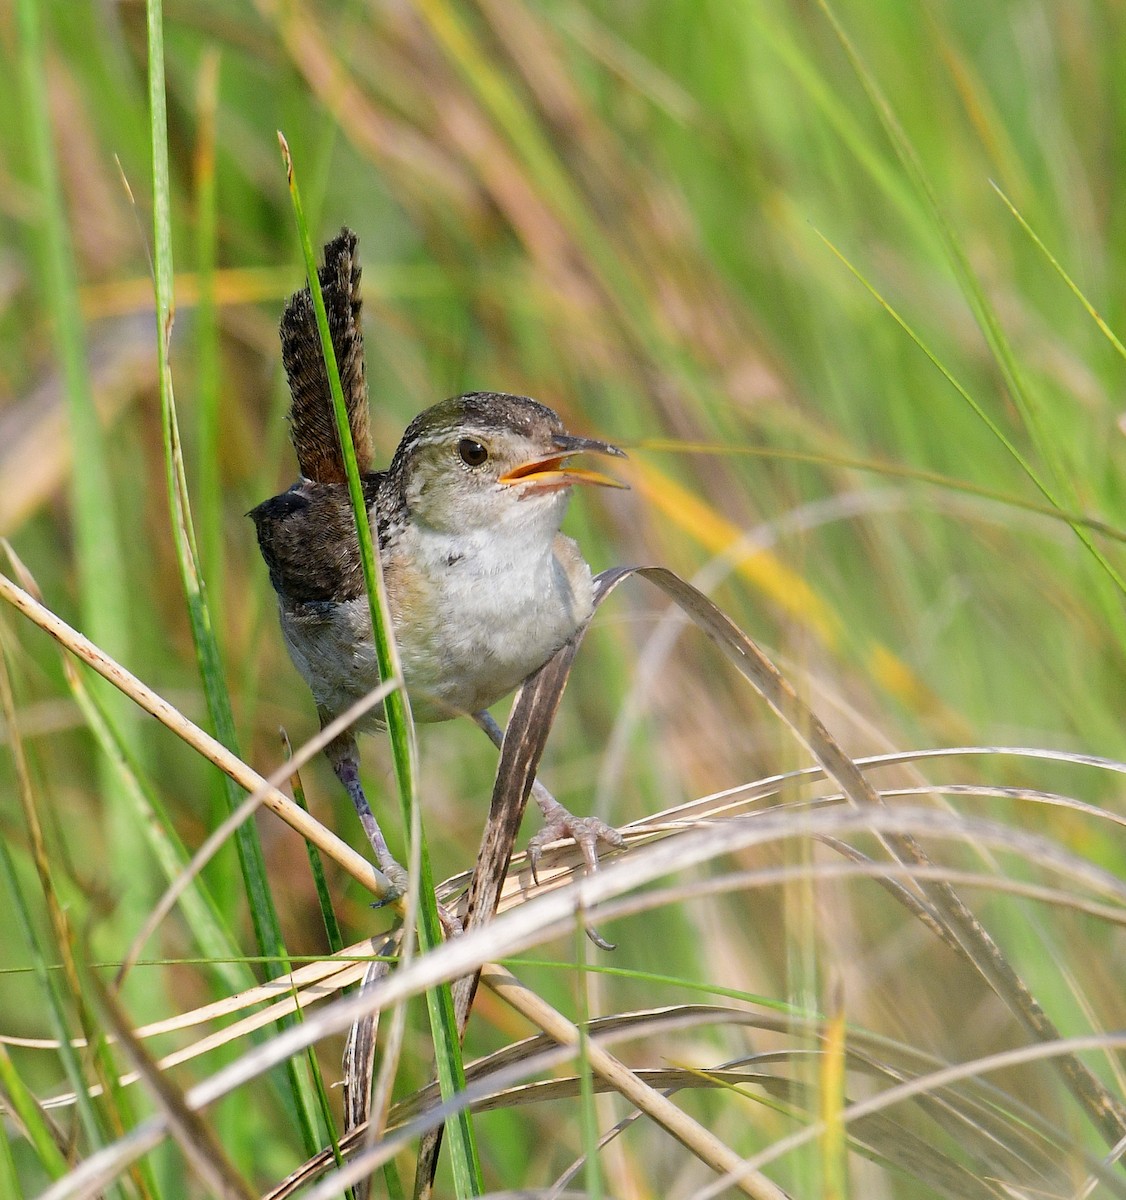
pixel 639 214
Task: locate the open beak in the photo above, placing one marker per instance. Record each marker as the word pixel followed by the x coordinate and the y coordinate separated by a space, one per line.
pixel 552 471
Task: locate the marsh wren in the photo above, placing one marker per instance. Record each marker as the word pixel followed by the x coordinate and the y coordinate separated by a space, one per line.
pixel 481 585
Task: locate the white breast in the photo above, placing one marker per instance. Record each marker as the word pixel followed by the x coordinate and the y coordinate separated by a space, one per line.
pixel 487 610
pixel 474 615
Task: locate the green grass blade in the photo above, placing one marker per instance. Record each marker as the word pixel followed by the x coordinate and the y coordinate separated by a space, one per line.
pixel 396 706
pixel 103 600
pixel 56 944
pixel 400 728
pixel 1057 266
pixel 316 865
pixel 101 574
pixel 1079 526
pixel 271 943
pixel 975 294
pixel 262 908
pixel 913 167
pixel 19 1099
pixel 625 285
pixel 209 493
pixel 53 1005
pixel 200 912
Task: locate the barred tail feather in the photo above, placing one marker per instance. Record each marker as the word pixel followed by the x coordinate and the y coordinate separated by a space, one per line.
pixel 312 426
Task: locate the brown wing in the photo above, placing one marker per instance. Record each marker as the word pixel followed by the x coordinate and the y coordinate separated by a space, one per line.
pixel 313 428
pixel 307 536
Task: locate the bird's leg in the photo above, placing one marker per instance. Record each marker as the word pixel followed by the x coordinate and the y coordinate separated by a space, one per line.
pixel 345 759
pixel 559 823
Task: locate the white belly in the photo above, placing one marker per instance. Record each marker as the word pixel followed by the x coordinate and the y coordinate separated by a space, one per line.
pixel 491 621
pixel 470 625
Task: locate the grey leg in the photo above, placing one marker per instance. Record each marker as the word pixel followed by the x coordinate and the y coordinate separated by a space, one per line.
pixel 345 759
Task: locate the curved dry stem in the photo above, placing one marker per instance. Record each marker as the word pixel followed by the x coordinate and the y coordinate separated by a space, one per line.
pixel 200 741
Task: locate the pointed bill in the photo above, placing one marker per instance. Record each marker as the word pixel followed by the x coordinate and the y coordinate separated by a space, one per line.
pixel 553 470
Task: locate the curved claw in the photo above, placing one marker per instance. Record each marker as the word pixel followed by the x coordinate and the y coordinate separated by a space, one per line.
pixel 598 939
pixel 585 832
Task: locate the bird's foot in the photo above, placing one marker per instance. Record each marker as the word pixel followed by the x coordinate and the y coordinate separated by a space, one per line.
pixel 559 824
pixel 398 881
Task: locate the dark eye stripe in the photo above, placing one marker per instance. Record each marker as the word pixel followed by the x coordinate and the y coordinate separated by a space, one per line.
pixel 472 452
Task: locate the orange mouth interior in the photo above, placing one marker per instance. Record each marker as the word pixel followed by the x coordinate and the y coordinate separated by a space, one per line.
pixel 553 472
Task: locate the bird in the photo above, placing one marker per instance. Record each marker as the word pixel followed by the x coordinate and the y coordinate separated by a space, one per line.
pixel 482 586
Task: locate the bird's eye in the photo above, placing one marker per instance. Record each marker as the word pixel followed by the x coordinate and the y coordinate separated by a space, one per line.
pixel 472 453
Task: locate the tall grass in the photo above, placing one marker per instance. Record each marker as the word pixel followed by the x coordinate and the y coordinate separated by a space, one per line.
pixel 844 280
